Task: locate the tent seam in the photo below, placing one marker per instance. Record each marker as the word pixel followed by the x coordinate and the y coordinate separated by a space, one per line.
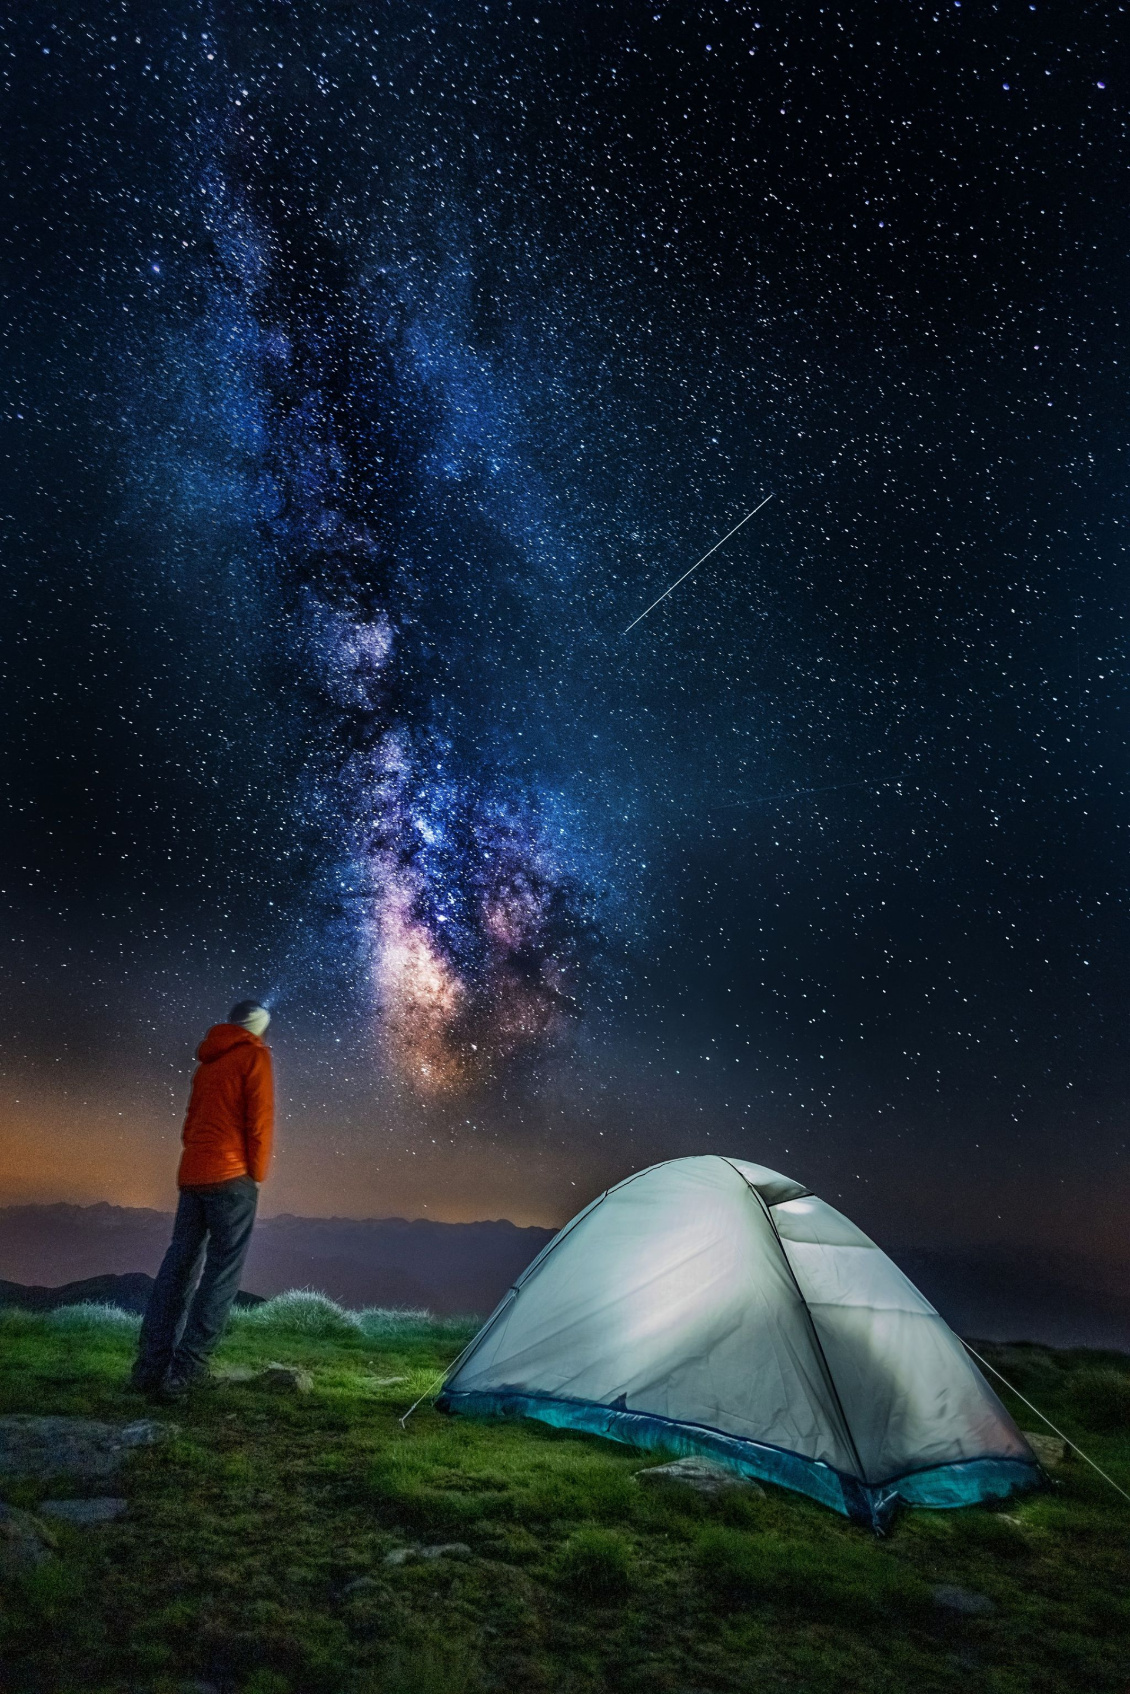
pixel 811 1321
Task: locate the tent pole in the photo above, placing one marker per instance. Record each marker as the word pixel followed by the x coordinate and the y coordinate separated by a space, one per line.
pixel 760 1198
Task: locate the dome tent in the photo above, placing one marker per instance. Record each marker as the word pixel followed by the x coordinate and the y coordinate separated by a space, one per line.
pixel 708 1305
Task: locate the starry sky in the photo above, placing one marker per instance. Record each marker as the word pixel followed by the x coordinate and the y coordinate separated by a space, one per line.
pixel 368 369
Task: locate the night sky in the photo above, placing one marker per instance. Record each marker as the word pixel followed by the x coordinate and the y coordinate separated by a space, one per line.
pixel 368 369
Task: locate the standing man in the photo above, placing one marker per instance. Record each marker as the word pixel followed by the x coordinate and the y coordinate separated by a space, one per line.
pixel 227 1147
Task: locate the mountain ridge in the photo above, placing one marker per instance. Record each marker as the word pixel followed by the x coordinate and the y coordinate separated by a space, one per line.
pixel 449 1268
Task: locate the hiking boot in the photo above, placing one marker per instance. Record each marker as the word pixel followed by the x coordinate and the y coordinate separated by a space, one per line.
pixel 144 1380
pixel 175 1385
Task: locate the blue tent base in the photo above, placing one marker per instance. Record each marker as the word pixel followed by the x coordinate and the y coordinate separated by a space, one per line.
pixel 942 1486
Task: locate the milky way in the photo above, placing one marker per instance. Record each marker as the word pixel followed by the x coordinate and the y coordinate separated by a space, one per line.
pixel 469 914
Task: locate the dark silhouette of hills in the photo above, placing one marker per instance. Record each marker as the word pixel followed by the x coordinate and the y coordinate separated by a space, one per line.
pixel 129 1292
pixel 448 1267
pixel 1002 1294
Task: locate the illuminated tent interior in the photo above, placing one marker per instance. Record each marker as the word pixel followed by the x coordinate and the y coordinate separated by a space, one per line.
pixel 708 1305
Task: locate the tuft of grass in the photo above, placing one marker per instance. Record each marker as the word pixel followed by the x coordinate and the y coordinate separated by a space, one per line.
pixel 1101 1400
pixel 378 1321
pixel 301 1311
pixel 596 1563
pixel 731 1567
pixel 306 1312
pixel 429 1666
pixel 92 1314
pixel 413 1323
pixel 853 1579
pixel 17 1320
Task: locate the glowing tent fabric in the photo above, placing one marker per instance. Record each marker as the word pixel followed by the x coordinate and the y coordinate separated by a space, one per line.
pixel 712 1306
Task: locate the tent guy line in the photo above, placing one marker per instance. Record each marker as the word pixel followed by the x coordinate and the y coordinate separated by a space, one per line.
pixel 698 562
pixel 1046 1420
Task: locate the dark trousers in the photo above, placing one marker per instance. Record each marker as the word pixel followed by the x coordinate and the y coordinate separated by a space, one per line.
pixel 213 1224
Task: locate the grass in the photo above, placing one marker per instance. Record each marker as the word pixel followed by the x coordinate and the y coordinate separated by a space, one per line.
pixel 252 1556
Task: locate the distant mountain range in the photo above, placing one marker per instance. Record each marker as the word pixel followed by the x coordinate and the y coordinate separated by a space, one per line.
pixel 1002 1294
pixel 448 1267
pixel 129 1292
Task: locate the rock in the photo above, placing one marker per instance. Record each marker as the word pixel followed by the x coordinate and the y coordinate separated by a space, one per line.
pixel 447 1550
pixel 705 1476
pixel 286 1379
pixel 228 1374
pixel 47 1447
pixel 361 1585
pixel 1050 1450
pixel 24 1541
pixel 103 1510
pixel 963 1600
pixel 381 1381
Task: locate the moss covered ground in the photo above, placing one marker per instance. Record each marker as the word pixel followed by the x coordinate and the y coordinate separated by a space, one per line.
pixel 253 1555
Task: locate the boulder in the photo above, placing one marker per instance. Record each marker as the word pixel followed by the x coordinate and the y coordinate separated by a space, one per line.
pixel 361 1585
pixel 446 1550
pixel 283 1379
pixel 1050 1450
pixel 227 1375
pixel 103 1510
pixel 705 1476
pixel 286 1379
pixel 56 1446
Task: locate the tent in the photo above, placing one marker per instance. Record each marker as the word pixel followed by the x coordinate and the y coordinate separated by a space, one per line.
pixel 708 1305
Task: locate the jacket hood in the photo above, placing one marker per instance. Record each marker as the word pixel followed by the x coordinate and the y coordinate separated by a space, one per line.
pixel 221 1038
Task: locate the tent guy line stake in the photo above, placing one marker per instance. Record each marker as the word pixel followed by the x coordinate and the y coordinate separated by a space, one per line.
pixel 696 564
pixel 1048 1421
pixel 427 1391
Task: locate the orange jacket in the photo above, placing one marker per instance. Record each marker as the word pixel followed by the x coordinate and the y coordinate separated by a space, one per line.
pixel 231 1111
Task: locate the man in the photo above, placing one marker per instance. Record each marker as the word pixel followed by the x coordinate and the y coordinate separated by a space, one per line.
pixel 227 1138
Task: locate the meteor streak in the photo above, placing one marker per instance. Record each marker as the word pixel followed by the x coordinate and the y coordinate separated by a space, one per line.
pixel 696 564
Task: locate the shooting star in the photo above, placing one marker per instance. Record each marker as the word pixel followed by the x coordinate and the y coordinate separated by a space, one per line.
pixel 698 562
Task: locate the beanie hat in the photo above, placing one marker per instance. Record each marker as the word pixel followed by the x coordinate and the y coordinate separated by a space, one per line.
pixel 251 1015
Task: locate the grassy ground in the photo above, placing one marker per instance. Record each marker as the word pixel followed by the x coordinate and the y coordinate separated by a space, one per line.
pixel 252 1557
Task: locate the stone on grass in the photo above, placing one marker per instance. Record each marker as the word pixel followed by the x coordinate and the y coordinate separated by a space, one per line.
pixel 361 1585
pixel 1050 1450
pixel 286 1379
pixel 705 1476
pixel 447 1550
pixel 47 1447
pixel 102 1510
pixel 950 1599
pixel 226 1375
pixel 24 1541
